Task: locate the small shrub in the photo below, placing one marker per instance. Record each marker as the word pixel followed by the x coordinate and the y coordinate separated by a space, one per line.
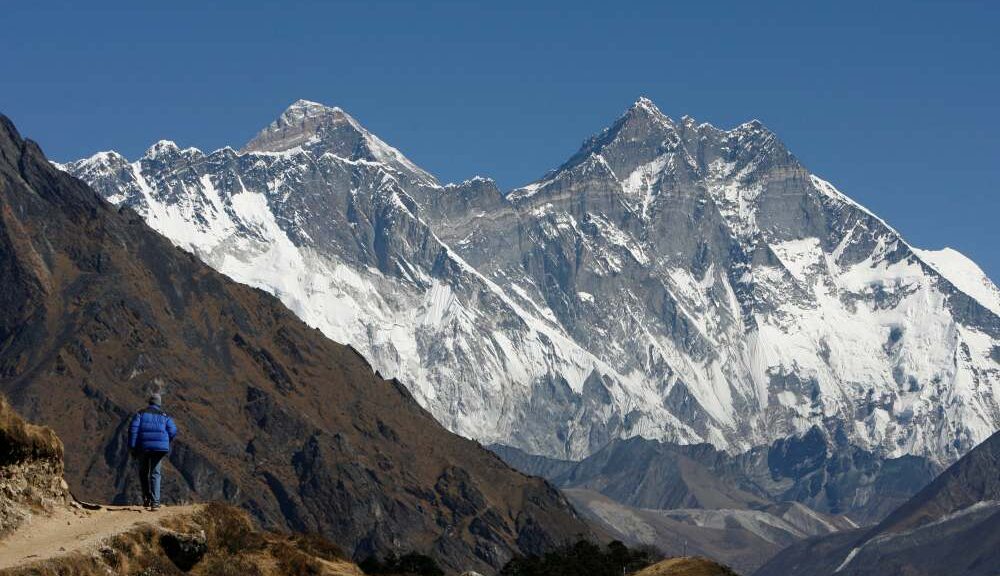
pixel 318 545
pixel 409 564
pixel 231 566
pixel 291 560
pixel 230 529
pixel 582 557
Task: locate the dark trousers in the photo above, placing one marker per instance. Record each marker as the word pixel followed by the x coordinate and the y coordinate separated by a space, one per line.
pixel 149 476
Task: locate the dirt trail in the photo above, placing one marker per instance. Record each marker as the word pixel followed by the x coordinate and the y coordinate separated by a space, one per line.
pixel 75 530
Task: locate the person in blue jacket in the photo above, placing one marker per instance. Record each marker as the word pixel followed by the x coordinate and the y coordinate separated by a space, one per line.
pixel 149 437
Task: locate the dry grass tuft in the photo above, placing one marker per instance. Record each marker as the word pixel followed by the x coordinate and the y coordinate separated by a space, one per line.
pixel 319 546
pixel 21 441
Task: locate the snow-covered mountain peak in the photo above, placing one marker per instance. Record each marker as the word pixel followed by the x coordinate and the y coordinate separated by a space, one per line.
pixel 320 129
pixel 644 151
pixel 301 123
pixel 642 127
pixel 308 107
pixel 646 106
pixel 754 125
pixel 476 180
pixel 671 280
pixel 160 148
pixel 99 160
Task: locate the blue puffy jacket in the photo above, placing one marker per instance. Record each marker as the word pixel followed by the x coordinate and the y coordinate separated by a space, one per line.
pixel 151 430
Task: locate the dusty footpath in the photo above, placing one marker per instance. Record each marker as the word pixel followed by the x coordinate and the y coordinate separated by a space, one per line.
pixel 76 530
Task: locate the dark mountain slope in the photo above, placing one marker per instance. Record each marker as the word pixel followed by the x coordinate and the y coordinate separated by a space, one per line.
pixel 96 310
pixel 971 480
pixel 950 527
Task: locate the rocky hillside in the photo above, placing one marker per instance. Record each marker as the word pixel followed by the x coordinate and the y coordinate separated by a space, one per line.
pixel 950 527
pixel 742 538
pixel 671 280
pixel 97 310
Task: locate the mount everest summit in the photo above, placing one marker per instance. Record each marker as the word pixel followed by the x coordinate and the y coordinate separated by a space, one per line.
pixel 671 280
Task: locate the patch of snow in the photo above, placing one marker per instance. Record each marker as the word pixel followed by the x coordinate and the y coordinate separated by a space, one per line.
pixel 964 274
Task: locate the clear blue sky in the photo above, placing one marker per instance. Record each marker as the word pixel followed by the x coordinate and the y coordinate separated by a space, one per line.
pixel 895 102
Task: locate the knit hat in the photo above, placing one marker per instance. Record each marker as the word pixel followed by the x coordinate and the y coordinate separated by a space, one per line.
pixel 155 398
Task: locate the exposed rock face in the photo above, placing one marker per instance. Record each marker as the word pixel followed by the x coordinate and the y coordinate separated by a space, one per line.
pixel 671 280
pixel 97 309
pixel 950 527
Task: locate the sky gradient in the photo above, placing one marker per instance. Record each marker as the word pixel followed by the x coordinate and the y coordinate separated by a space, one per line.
pixel 894 102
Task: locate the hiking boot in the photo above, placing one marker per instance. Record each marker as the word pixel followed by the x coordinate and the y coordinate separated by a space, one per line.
pixel 154 506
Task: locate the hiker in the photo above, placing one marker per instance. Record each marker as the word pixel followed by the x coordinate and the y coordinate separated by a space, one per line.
pixel 149 438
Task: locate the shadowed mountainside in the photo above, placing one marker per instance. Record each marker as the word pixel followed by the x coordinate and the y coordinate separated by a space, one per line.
pixel 950 527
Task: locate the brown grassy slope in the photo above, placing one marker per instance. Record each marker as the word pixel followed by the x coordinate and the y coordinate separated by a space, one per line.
pixel 686 566
pixel 95 307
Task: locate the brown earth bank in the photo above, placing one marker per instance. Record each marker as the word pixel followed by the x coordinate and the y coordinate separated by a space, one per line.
pixel 97 310
pixel 31 470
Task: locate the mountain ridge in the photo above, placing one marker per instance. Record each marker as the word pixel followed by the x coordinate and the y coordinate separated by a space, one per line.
pixel 687 284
